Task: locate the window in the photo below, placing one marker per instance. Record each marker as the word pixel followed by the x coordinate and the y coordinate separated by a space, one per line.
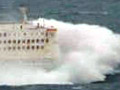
pixel 42 47
pixel 5 42
pixel 37 40
pixel 9 41
pixel 23 41
pixel 0 34
pixel 9 48
pixel 14 41
pixel 5 34
pixel 46 34
pixel 47 40
pixel 23 47
pixel 24 34
pixel 18 41
pixel 18 47
pixel 37 47
pixel 14 48
pixel 33 41
pixel 33 47
pixel 42 40
pixel 28 47
pixel 28 41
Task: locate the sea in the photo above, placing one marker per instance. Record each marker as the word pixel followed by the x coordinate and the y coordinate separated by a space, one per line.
pixel 105 13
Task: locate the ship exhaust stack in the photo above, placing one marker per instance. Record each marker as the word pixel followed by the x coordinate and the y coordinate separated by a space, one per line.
pixel 23 9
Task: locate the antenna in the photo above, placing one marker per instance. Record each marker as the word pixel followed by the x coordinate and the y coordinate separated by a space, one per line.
pixel 24 12
pixel 43 22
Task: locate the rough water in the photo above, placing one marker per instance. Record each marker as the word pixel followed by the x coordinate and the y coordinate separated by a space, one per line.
pixel 89 48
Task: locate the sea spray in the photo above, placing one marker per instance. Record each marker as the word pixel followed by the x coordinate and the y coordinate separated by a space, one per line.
pixel 87 54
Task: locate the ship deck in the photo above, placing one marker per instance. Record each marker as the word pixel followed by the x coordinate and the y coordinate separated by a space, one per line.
pixel 15 26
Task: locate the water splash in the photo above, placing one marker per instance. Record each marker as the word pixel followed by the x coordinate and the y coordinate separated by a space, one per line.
pixel 87 54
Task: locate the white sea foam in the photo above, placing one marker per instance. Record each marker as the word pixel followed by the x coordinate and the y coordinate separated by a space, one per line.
pixel 88 53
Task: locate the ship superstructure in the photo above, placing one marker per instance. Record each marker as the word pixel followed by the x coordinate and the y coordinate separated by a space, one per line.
pixel 26 41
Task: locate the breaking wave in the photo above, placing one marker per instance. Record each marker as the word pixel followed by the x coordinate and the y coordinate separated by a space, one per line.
pixel 87 54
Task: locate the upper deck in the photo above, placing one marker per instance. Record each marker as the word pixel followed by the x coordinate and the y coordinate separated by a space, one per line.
pixel 17 26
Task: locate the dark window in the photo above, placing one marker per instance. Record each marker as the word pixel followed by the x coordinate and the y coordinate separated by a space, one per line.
pixel 5 34
pixel 37 40
pixel 28 47
pixel 42 47
pixel 46 34
pixel 18 47
pixel 0 41
pixel 33 47
pixel 28 41
pixel 9 48
pixel 18 41
pixel 37 47
pixel 14 41
pixel 42 40
pixel 33 41
pixel 9 41
pixel 23 41
pixel 5 41
pixel 47 40
pixel 14 48
pixel 0 34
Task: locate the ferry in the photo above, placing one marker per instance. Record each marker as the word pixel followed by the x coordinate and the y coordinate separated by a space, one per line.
pixel 26 41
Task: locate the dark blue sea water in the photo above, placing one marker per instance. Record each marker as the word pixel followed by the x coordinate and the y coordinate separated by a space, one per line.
pixel 100 12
